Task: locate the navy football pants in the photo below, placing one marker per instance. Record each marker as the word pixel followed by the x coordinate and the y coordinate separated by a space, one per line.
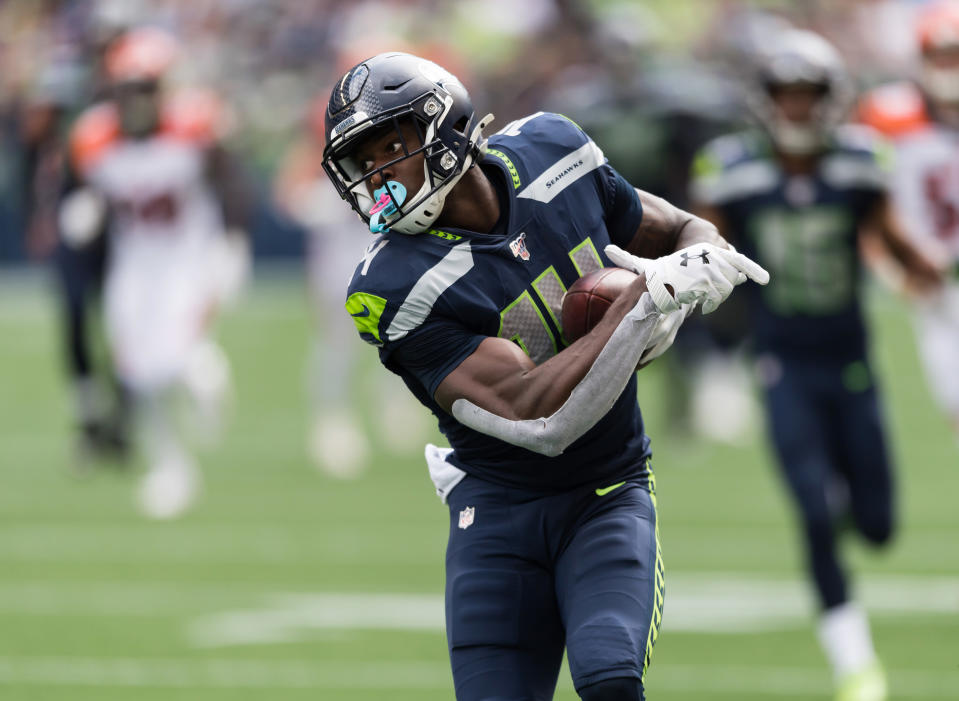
pixel 534 572
pixel 827 429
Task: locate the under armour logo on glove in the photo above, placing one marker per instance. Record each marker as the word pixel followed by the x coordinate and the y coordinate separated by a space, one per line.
pixel 709 284
pixel 686 258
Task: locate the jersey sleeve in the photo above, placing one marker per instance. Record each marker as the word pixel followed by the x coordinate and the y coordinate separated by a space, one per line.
pixel 94 133
pixel 622 206
pixel 707 175
pixel 432 353
pixel 399 299
pixel 864 161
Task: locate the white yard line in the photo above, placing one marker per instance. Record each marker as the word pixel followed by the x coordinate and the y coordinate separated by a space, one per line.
pixel 708 602
pixel 208 544
pixel 790 681
pixel 239 673
pixel 218 615
pixel 221 673
pixel 292 617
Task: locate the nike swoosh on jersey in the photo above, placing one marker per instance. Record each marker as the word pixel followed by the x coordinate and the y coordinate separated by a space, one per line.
pixel 603 491
pixel 365 312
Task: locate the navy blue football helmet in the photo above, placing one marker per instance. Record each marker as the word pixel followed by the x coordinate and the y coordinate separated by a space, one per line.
pixel 382 92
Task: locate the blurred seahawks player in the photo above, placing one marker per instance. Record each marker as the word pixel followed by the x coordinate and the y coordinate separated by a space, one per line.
pixel 339 441
pixel 552 538
pixel 798 195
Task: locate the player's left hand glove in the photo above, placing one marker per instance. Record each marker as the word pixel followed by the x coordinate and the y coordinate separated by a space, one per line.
pixel 701 273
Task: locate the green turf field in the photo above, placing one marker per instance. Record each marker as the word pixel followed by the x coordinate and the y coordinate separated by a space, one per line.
pixel 283 584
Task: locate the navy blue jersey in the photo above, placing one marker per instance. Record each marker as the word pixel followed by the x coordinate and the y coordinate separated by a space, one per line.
pixel 427 301
pixel 803 230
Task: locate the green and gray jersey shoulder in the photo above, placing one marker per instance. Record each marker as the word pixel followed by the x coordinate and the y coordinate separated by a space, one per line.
pixel 738 166
pixel 401 277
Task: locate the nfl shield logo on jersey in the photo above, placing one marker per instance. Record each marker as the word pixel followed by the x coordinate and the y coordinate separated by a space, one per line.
pixel 466 517
pixel 518 247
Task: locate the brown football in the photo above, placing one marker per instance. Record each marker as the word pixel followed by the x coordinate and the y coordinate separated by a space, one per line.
pixel 589 297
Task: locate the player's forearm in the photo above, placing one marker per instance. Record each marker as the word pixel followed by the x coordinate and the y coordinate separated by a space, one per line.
pixel 546 387
pixel 591 398
pixel 913 261
pixel 697 230
pixel 901 249
pixel 666 228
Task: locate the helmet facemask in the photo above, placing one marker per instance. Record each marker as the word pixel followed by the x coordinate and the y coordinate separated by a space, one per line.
pixel 937 35
pixel 799 137
pixel 939 74
pixel 445 160
pixel 801 60
pixel 138 106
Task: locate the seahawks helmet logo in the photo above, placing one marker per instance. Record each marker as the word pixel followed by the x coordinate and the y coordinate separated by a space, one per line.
pixel 349 89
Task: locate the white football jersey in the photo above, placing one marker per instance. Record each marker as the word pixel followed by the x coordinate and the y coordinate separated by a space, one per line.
pixel 925 177
pixel 925 191
pixel 166 232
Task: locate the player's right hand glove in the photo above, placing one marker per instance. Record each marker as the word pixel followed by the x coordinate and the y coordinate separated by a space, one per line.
pixel 702 273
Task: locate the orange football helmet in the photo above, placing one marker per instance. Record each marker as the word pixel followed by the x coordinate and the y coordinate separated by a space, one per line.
pixel 937 32
pixel 143 54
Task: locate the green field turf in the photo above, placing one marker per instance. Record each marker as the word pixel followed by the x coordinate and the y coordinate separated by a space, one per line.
pixel 285 584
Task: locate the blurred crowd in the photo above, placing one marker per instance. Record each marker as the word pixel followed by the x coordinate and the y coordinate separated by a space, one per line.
pixel 670 68
pixel 651 82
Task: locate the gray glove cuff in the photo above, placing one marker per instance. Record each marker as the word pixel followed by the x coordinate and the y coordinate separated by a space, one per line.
pixel 661 297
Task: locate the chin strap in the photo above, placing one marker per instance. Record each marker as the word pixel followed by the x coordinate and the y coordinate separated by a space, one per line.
pixel 477 135
pixel 589 401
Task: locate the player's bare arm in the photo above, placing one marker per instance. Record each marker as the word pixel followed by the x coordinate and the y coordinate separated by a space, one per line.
pixel 500 378
pixel 714 216
pixel 666 228
pixel 500 392
pixel 883 224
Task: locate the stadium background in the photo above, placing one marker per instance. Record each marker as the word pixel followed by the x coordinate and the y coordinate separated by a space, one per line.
pixel 286 583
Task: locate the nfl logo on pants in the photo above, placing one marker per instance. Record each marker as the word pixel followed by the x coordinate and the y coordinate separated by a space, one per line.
pixel 466 517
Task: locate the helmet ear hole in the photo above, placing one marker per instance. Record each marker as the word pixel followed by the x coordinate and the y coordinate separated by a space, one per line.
pixel 460 126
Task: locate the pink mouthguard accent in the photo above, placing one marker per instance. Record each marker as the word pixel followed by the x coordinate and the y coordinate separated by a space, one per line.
pixel 382 203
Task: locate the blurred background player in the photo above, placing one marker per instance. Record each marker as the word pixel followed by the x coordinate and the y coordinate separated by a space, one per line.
pixel 798 196
pixel 339 440
pixel 652 110
pixel 922 119
pixel 47 180
pixel 174 206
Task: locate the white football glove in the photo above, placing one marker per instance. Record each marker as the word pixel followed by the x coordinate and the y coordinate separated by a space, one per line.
pixel 665 333
pixel 700 273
